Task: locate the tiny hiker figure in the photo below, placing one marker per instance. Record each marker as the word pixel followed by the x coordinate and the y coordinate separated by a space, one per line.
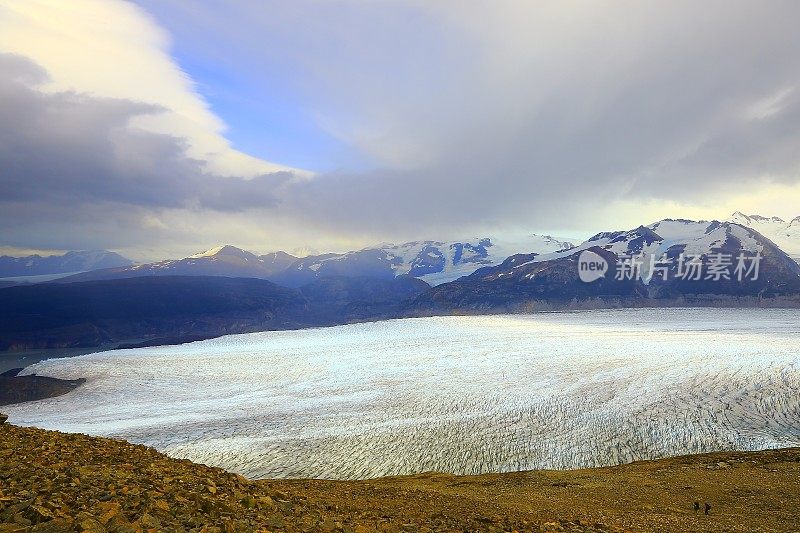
pixel 708 507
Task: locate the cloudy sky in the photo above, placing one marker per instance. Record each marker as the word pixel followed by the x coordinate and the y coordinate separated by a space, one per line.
pixel 161 128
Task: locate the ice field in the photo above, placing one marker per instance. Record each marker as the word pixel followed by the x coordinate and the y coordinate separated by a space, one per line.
pixel 454 394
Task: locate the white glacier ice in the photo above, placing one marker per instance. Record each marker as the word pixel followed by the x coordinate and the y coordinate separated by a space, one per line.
pixel 457 394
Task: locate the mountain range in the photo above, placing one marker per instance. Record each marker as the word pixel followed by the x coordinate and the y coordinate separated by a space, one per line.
pixel 229 290
pixel 529 282
pixel 227 261
pixel 434 262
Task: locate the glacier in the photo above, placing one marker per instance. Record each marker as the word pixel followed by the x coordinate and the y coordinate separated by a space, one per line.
pixel 464 395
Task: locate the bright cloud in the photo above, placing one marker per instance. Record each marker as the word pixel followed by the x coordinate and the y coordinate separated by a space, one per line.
pixel 111 48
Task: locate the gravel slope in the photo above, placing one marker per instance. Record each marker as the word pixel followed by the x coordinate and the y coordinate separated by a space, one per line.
pixel 56 482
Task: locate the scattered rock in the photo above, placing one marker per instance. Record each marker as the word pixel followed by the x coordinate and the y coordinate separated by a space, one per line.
pixel 54 482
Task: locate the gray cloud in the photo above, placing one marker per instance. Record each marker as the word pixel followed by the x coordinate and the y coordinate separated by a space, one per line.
pixel 475 115
pixel 72 149
pixel 490 112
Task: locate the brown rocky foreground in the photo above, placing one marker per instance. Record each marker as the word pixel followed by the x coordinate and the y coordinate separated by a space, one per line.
pixel 56 482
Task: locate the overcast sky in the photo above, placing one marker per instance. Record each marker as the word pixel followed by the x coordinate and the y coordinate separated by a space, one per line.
pixel 162 128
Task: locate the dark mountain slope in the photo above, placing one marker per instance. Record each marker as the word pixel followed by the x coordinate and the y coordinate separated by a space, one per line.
pixel 170 309
pixel 345 299
pixel 93 313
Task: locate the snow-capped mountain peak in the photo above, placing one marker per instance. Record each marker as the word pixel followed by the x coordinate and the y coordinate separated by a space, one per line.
pixel 224 250
pixel 208 253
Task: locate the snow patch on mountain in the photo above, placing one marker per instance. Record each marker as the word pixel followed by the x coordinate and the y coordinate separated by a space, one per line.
pixel 786 235
pixel 208 253
pixel 435 262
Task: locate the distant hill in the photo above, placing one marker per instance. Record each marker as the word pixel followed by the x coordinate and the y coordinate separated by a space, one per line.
pixel 37 265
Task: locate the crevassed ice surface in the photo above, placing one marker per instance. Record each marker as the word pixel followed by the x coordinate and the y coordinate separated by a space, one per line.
pixel 457 394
